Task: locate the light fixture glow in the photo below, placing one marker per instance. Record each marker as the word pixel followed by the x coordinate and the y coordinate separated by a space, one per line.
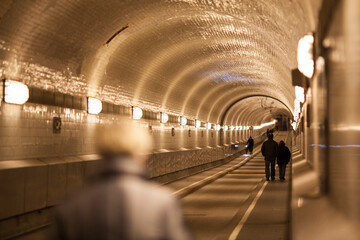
pixel 294 125
pixel 226 128
pixel 297 109
pixel 164 118
pixel 237 128
pixel 15 92
pixel 94 105
pixel 299 92
pixel 241 127
pixel 264 125
pixel 183 121
pixel 232 128
pixel 320 63
pixel 217 128
pixel 208 125
pixel 137 113
pixel 197 123
pixel 305 55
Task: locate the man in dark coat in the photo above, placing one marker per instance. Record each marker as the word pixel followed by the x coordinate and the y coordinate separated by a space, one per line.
pixel 269 150
pixel 121 203
pixel 283 158
pixel 250 145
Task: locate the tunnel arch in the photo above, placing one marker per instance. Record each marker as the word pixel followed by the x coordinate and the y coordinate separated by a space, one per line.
pixel 186 58
pixel 225 114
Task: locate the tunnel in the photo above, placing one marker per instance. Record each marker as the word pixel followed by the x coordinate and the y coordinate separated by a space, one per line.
pixel 201 77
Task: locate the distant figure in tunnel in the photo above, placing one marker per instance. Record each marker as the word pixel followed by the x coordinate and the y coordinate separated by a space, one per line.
pixel 121 203
pixel 283 158
pixel 250 145
pixel 270 150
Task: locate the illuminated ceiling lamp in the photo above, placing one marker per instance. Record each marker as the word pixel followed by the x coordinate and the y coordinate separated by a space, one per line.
pixel 164 118
pixel 15 92
pixel 299 93
pixel 183 121
pixel 305 55
pixel 208 125
pixel 297 109
pixel 94 105
pixel 197 123
pixel 237 128
pixel 137 113
pixel 217 127
pixel 232 128
pixel 226 128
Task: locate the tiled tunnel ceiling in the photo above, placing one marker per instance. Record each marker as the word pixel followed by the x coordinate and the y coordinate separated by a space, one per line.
pixel 188 57
pixel 254 110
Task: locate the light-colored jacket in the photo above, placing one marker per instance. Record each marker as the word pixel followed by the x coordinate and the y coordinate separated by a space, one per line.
pixel 121 204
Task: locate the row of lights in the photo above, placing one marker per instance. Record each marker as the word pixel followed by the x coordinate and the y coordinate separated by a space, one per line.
pixel 264 125
pixel 300 98
pixel 305 61
pixel 18 93
pixel 94 107
pixel 208 125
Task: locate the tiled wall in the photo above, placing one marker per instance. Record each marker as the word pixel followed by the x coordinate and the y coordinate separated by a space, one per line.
pixel 26 132
pixel 38 167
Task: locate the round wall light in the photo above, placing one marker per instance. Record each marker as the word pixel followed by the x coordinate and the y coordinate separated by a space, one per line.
pixel 197 123
pixel 183 121
pixel 137 113
pixel 164 118
pixel 94 105
pixel 15 92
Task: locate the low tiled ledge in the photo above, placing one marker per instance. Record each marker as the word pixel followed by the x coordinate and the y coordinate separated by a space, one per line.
pixel 166 166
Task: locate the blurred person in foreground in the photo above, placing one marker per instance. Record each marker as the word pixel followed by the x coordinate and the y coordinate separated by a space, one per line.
pixel 120 202
pixel 269 150
pixel 283 158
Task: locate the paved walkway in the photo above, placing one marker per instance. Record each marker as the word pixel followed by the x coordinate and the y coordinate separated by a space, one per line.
pixel 232 201
pixel 240 204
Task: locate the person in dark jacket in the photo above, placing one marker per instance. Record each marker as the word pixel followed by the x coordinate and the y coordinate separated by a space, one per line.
pixel 121 203
pixel 283 158
pixel 250 145
pixel 269 150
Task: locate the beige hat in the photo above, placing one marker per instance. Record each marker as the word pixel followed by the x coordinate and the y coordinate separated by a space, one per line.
pixel 126 137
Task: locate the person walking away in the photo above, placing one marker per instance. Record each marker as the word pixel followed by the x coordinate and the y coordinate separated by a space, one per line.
pixel 283 158
pixel 121 203
pixel 250 145
pixel 269 150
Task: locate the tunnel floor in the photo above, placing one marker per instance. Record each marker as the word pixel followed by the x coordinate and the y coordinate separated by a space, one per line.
pixel 239 205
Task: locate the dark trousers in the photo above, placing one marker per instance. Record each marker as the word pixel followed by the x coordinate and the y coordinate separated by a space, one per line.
pixel 250 149
pixel 282 169
pixel 267 170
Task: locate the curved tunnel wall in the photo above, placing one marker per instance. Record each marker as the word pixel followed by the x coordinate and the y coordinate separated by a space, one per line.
pixel 186 58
